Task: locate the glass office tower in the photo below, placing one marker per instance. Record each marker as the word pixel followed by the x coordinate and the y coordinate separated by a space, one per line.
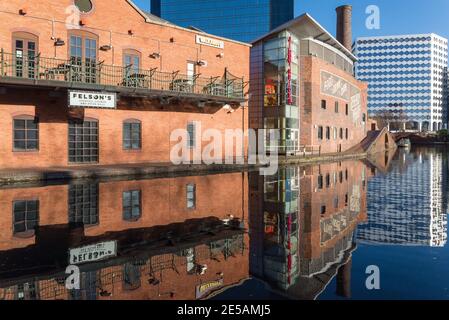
pixel 242 20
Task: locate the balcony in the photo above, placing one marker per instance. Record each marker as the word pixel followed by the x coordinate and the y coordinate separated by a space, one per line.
pixel 93 75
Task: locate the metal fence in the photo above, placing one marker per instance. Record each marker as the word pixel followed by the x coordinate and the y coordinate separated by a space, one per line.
pixel 76 70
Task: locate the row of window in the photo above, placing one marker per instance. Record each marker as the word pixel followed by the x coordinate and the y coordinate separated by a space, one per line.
pixel 344 133
pixel 83 207
pixel 83 51
pixel 336 106
pixel 83 137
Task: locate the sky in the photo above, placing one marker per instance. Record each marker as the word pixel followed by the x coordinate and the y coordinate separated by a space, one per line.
pixel 396 16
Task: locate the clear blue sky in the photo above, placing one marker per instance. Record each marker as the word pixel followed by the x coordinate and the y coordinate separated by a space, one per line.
pixel 397 16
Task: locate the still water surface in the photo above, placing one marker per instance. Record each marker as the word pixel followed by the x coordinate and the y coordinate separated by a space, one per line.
pixel 305 233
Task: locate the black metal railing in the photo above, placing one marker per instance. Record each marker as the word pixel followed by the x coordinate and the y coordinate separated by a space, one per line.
pixel 76 70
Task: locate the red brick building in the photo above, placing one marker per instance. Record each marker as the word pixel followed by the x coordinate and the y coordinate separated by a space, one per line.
pixel 302 82
pixel 103 82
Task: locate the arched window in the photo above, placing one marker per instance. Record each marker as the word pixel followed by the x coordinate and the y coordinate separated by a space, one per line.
pixel 132 205
pixel 83 52
pixel 132 60
pixel 25 133
pixel 25 46
pixel 132 134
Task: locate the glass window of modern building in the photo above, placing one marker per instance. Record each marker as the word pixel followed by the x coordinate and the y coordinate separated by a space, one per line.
pixel 242 20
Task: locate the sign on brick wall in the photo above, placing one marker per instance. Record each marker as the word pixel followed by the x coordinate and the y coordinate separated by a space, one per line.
pixel 86 99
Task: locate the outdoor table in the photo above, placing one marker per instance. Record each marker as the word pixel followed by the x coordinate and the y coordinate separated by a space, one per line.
pixel 182 85
pixel 137 80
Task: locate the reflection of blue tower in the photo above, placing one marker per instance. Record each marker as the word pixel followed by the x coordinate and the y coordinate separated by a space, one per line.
pixel 278 231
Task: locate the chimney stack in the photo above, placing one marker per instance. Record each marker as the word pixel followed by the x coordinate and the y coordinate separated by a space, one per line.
pixel 344 26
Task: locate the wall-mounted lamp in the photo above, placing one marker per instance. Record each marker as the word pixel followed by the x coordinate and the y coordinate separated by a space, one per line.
pixel 202 63
pixel 155 55
pixel 172 40
pixel 82 22
pixel 59 42
pixel 106 47
pixel 130 32
pixel 23 11
pixel 220 55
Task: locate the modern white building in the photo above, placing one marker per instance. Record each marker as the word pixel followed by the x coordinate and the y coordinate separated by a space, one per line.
pixel 407 77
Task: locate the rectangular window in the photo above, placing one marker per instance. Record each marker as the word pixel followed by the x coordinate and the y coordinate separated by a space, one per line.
pixel 347 134
pixel 328 133
pixel 320 181
pixel 341 133
pixel 320 132
pixel 323 104
pixel 347 109
pixel 83 204
pixel 26 216
pixel 336 202
pixel 132 136
pixel 132 205
pixel 83 142
pixel 191 132
pixel 323 210
pixel 26 134
pixel 191 196
pixel 336 106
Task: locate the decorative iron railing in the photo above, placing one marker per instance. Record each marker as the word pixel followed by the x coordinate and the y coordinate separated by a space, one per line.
pixel 76 70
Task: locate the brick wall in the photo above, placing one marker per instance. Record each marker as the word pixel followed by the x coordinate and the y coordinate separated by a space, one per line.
pixel 110 22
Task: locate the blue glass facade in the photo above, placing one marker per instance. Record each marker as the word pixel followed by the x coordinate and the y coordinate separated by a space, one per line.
pixel 242 20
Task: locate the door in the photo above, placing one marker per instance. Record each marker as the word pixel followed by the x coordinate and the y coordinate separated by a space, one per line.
pixel 83 141
pixel 190 75
pixel 25 56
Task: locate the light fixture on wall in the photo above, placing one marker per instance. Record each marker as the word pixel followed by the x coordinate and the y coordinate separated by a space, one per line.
pixel 106 47
pixel 202 63
pixel 23 11
pixel 131 32
pixel 220 55
pixel 59 42
pixel 155 55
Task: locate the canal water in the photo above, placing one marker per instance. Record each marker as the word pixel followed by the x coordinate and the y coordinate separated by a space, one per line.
pixel 370 229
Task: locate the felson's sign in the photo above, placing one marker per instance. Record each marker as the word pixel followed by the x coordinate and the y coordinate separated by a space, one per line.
pixel 85 99
pixel 91 253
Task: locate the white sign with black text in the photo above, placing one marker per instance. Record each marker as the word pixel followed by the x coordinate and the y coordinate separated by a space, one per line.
pixel 86 99
pixel 211 42
pixel 92 253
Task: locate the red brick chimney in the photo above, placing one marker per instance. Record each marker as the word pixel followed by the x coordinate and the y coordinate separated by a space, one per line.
pixel 344 26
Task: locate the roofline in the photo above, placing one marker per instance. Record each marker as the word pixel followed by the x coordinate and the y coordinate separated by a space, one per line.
pixel 148 20
pixel 308 16
pixel 402 36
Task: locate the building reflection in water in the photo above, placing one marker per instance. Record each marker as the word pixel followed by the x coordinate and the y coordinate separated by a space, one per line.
pixel 408 205
pixel 302 225
pixel 195 237
pixel 176 238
